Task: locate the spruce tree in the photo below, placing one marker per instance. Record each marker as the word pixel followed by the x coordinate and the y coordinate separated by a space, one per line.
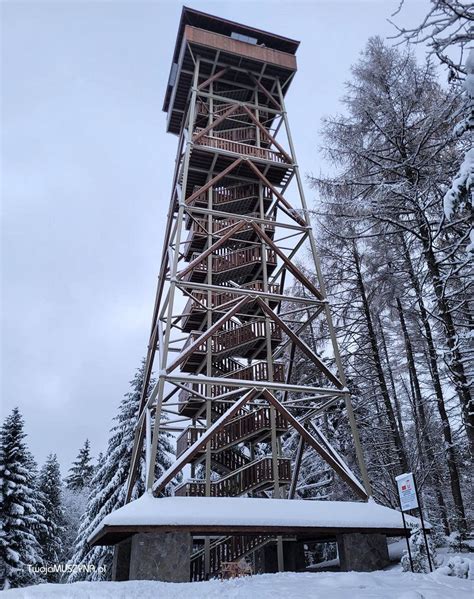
pixel 20 508
pixel 82 470
pixel 108 485
pixel 51 537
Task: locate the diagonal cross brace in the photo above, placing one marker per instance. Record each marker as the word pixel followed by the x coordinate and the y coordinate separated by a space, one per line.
pixel 301 344
pixel 214 77
pixel 345 473
pixel 290 266
pixel 189 454
pixel 218 121
pixel 264 90
pixel 216 245
pixel 205 336
pixel 268 135
pixel 296 217
pixel 214 180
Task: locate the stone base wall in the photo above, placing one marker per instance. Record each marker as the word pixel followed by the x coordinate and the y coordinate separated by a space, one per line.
pixel 153 556
pixel 362 552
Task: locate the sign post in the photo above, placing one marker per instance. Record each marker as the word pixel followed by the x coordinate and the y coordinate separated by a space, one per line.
pixel 408 496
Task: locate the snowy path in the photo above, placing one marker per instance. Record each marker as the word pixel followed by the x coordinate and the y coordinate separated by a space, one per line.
pixel 324 585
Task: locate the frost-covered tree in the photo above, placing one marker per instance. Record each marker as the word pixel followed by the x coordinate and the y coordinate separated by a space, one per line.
pixel 459 199
pixel 20 510
pixel 74 505
pixel 50 493
pixel 82 469
pixel 400 295
pixel 448 31
pixel 108 485
pixel 419 555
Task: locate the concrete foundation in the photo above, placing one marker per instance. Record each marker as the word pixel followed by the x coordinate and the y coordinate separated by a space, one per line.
pixel 362 552
pixel 153 556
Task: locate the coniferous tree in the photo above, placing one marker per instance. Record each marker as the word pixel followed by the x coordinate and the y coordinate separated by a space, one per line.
pixel 400 301
pixel 82 469
pixel 108 485
pixel 51 537
pixel 75 497
pixel 74 506
pixel 20 508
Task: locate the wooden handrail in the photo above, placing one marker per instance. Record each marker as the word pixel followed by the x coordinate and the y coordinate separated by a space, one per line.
pixel 223 260
pixel 254 372
pixel 225 194
pixel 255 474
pixel 233 335
pixel 219 298
pixel 200 225
pixel 221 107
pixel 235 431
pixel 226 549
pixel 240 148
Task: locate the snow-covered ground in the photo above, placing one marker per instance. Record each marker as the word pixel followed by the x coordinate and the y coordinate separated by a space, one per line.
pixel 323 585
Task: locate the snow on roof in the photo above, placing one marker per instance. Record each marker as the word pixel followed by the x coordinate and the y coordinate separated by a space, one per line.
pixel 249 511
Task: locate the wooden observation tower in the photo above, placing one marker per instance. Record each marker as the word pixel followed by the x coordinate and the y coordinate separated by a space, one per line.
pixel 225 329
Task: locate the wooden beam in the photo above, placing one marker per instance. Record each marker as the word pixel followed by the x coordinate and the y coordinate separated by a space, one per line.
pixel 213 78
pixel 205 336
pixel 296 470
pixel 264 90
pixel 218 121
pixel 290 266
pixel 240 225
pixel 214 180
pixel 310 440
pixel 113 534
pixel 192 451
pixel 268 135
pixel 301 344
pixel 295 216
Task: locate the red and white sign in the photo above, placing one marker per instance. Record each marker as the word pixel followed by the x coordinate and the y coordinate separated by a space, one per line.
pixel 407 491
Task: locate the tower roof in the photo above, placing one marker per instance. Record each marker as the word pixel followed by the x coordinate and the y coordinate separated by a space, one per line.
pixel 261 45
pixel 196 18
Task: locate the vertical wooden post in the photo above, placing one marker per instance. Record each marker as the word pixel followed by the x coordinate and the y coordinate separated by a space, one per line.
pixel 173 268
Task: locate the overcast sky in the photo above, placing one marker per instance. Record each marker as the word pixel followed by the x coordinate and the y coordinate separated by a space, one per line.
pixel 86 175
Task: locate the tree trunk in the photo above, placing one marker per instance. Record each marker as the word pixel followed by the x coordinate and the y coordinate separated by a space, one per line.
pixel 444 313
pixel 402 459
pixel 398 410
pixel 445 424
pixel 427 444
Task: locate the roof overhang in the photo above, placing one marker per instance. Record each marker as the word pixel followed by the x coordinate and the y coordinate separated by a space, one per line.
pixel 306 519
pixel 201 34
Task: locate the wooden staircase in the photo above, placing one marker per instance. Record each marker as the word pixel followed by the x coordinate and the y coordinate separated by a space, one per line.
pixel 253 426
pixel 243 260
pixel 242 265
pixel 226 549
pixel 189 398
pixel 235 199
pixel 239 340
pixel 255 476
pixel 195 316
pixel 199 232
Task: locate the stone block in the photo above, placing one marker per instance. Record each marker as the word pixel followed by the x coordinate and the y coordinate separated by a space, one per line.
pixel 361 552
pixel 161 556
